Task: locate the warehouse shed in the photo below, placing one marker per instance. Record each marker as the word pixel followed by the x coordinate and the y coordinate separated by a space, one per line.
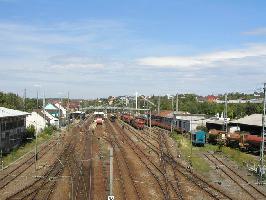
pixel 12 129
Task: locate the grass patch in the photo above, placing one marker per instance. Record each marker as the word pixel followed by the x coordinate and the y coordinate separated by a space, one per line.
pixel 184 145
pixel 25 148
pixel 241 158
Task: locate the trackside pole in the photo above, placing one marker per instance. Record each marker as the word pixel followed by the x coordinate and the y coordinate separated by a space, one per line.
pixel 111 171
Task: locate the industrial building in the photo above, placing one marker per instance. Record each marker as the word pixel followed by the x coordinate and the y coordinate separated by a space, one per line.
pixel 250 123
pixel 12 129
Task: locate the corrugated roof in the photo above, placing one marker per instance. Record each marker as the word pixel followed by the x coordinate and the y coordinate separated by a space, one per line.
pixel 220 122
pixel 252 120
pixel 6 112
pixel 165 113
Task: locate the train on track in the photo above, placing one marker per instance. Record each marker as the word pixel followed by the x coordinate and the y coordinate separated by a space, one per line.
pixel 112 118
pixel 99 117
pixel 243 141
pixel 163 122
pixel 136 122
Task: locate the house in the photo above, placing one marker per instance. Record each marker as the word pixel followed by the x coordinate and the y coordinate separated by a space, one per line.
pixel 211 98
pixel 12 129
pixel 74 105
pixel 40 119
pixel 37 119
pixel 52 110
pixel 63 111
pixel 52 120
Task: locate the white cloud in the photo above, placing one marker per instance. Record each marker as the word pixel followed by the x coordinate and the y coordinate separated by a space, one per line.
pixel 75 62
pixel 258 31
pixel 205 60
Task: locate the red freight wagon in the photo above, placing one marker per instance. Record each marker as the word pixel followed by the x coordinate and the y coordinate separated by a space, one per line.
pixel 127 118
pixel 138 123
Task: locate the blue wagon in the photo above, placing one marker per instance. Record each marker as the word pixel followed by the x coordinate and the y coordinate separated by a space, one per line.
pixel 198 138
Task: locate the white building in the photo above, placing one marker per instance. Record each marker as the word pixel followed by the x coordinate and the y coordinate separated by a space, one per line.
pixel 63 111
pixel 40 120
pixel 37 120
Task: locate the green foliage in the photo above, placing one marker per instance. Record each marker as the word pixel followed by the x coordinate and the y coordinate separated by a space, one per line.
pixel 30 132
pixel 13 101
pixel 189 103
pixel 10 100
pixel 49 130
pixel 202 128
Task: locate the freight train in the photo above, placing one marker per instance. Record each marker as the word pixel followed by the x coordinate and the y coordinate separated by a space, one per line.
pixel 162 122
pixel 136 122
pixel 241 140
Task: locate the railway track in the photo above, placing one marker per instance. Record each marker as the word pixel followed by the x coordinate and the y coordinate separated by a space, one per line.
pixel 90 185
pixel 161 141
pixel 42 187
pixel 78 167
pixel 22 167
pixel 247 187
pixel 157 173
pixel 178 187
pixel 102 174
pixel 114 142
pixel 210 189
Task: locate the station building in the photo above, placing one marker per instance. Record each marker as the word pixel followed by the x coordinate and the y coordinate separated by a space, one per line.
pixel 12 129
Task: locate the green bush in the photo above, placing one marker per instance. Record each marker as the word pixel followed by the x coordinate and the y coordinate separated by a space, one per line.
pixel 30 132
pixel 48 130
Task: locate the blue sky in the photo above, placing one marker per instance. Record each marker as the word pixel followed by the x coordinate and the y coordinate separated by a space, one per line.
pixel 115 47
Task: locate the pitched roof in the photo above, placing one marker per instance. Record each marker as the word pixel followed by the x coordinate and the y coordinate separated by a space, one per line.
pixel 252 120
pixel 6 112
pixel 50 106
pixel 40 112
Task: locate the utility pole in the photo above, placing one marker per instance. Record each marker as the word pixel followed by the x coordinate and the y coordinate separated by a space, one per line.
pixel 37 100
pixel 111 172
pixel 68 114
pixel 24 99
pixel 150 121
pixel 263 135
pixel 36 150
pixel 172 97
pixel 176 106
pixel 43 108
pixel 2 162
pixel 136 101
pixel 159 102
pixel 225 113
